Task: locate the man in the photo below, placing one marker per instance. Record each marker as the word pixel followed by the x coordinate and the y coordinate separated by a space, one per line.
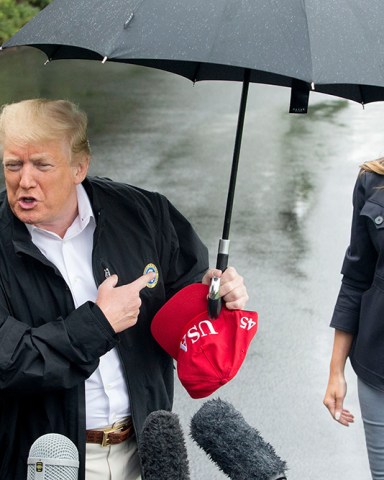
pixel 85 263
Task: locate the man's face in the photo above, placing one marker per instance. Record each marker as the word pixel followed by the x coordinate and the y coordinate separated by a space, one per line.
pixel 41 183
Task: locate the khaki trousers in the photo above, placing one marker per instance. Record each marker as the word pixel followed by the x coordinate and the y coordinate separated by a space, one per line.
pixel 116 462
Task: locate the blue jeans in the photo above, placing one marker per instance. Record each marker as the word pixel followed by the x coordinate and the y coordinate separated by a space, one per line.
pixel 372 412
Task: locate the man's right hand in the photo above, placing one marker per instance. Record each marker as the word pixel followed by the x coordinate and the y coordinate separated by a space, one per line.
pixel 121 305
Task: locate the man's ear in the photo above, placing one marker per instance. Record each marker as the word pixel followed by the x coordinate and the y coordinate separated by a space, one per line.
pixel 80 167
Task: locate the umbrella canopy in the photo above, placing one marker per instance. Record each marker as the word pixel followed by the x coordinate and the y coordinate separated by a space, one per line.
pixel 331 47
pixel 334 47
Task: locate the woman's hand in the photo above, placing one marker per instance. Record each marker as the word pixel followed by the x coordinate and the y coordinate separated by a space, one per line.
pixel 334 399
pixel 337 386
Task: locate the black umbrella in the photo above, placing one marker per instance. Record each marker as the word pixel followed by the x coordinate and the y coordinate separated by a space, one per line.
pixel 325 46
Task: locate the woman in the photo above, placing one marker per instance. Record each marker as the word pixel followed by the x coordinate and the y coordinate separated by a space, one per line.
pixel 358 316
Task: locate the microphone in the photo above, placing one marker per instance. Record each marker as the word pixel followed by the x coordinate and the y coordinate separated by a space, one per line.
pixel 237 448
pixel 53 457
pixel 162 450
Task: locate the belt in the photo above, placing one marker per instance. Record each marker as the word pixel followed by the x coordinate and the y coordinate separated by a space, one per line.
pixel 119 432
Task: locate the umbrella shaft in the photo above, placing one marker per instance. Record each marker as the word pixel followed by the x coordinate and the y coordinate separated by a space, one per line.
pixel 236 154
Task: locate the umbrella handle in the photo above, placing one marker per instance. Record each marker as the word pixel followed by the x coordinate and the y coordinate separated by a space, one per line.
pixel 214 299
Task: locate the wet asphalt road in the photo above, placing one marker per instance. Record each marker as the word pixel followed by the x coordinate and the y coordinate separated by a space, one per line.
pixel 289 231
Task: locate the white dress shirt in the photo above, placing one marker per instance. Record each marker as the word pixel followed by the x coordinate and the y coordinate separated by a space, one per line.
pixel 106 392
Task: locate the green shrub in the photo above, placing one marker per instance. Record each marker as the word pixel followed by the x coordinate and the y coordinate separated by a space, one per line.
pixel 15 14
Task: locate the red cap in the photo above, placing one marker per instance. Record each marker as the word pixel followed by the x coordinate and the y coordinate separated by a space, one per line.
pixel 209 352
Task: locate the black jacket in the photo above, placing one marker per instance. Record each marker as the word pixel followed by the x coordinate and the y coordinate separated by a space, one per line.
pixel 360 305
pixel 48 348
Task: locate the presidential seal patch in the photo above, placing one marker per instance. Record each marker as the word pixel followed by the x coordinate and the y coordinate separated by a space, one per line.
pixel 151 267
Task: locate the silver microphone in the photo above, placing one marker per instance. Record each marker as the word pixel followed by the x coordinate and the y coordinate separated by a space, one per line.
pixel 53 457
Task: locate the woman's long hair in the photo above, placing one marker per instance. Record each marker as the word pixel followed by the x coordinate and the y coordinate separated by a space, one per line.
pixel 376 166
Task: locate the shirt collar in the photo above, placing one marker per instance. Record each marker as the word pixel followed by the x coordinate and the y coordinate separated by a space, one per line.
pixel 84 206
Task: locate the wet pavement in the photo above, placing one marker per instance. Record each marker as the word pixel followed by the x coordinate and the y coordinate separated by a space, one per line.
pixel 290 226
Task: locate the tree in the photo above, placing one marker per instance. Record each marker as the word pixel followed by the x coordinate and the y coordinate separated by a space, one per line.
pixel 16 13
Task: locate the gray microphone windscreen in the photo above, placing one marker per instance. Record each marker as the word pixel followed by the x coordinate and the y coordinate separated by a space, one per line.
pixel 237 448
pixel 53 457
pixel 162 449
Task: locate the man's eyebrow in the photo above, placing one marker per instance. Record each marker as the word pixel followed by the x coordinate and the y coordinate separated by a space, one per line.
pixel 11 158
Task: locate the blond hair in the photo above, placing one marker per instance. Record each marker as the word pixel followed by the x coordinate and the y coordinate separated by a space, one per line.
pixel 376 166
pixel 38 120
